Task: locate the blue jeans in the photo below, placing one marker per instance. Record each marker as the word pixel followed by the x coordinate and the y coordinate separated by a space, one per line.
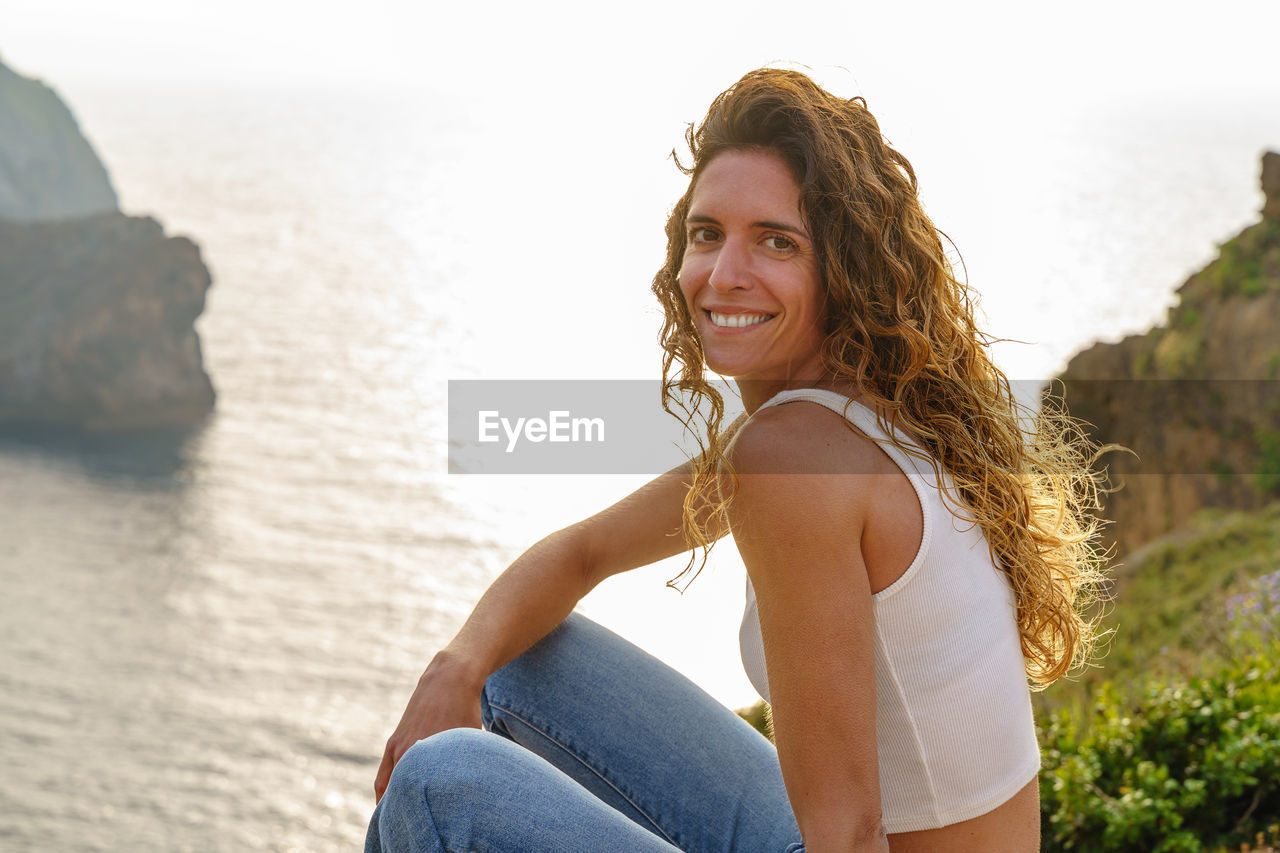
pixel 592 745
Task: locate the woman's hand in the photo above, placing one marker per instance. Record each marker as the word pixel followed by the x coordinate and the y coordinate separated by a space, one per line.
pixel 447 697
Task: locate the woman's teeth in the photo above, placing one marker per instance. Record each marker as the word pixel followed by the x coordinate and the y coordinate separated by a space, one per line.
pixel 734 321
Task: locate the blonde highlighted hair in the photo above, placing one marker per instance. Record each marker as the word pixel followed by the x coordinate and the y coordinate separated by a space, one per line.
pixel 900 327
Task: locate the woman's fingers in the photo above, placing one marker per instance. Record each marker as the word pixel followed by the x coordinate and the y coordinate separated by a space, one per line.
pixel 380 782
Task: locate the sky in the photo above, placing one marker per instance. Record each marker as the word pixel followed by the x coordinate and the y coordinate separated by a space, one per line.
pixel 1107 49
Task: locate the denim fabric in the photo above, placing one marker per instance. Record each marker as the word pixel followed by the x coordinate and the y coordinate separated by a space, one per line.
pixel 593 745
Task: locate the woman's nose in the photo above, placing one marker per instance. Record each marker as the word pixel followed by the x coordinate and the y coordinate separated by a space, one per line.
pixel 732 270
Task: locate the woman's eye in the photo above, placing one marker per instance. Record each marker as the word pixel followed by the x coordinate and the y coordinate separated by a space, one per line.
pixel 779 243
pixel 702 235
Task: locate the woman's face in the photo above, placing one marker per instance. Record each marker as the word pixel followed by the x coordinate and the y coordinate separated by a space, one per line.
pixel 750 276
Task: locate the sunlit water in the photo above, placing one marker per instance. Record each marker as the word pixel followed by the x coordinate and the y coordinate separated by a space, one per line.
pixel 207 638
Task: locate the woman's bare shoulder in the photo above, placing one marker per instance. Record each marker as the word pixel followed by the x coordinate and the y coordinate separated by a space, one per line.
pixel 803 437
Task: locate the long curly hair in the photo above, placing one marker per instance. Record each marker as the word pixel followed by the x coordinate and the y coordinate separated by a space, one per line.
pixel 899 326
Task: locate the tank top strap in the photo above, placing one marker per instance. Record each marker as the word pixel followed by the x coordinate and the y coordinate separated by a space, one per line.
pixel 856 413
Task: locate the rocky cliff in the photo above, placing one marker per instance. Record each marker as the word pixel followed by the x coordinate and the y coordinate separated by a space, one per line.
pixel 48 170
pixel 97 309
pixel 1196 398
pixel 96 324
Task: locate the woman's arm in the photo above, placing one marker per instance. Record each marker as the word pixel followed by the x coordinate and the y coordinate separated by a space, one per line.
pixel 799 532
pixel 532 597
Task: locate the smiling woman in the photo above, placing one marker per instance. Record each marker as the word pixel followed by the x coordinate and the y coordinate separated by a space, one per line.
pixel 914 555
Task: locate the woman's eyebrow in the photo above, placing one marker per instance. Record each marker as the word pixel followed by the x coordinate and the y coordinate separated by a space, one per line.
pixel 764 223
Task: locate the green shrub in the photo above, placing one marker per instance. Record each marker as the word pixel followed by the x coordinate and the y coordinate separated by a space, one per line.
pixel 1264 841
pixel 1192 765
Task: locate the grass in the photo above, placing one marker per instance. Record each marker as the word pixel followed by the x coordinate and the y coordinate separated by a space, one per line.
pixel 1170 600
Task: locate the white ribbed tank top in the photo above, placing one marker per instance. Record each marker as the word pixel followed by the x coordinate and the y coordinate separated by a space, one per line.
pixel 955 735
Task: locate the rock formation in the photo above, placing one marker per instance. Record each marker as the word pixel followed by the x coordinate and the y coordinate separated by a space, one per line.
pixel 96 308
pixel 47 168
pixel 1197 398
pixel 1271 185
pixel 96 324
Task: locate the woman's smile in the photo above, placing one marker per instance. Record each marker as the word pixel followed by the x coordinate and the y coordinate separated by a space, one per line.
pixel 744 321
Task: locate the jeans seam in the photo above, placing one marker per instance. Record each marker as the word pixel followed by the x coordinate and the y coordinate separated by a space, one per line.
pixel 584 763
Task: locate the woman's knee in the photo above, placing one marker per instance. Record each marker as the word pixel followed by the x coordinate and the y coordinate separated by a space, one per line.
pixel 445 759
pixel 437 790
